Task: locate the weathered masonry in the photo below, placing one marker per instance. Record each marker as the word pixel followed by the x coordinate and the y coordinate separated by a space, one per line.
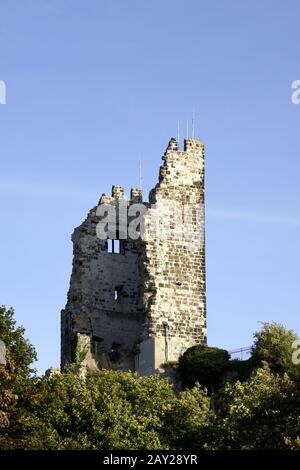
pixel 137 303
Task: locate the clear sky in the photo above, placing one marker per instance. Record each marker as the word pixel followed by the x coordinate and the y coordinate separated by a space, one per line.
pixel 92 85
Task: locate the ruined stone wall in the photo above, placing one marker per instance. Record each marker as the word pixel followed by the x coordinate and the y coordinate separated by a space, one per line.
pixel 111 326
pixel 175 261
pixel 160 310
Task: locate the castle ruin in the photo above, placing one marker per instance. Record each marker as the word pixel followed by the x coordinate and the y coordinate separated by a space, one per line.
pixel 137 301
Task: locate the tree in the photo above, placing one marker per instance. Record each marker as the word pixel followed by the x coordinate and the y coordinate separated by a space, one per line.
pixel 203 364
pixel 274 345
pixel 260 413
pixel 111 410
pixel 121 410
pixel 106 410
pixel 189 422
pixel 15 374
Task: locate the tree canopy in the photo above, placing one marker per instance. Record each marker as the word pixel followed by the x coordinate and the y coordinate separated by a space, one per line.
pixel 121 410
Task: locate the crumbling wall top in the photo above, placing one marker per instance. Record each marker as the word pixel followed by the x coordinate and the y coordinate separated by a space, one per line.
pixel 193 144
pixel 136 195
pixel 117 191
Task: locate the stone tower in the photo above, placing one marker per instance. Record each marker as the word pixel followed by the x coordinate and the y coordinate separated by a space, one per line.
pixel 137 294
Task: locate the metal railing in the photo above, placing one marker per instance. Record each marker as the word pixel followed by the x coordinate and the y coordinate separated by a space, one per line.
pixel 241 354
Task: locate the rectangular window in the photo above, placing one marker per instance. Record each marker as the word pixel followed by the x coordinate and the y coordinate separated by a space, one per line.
pixel 114 246
pixel 118 290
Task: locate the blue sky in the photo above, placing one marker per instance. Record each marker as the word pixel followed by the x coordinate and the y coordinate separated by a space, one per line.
pixel 92 86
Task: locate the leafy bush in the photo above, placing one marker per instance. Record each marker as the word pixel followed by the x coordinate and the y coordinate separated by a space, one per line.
pixel 274 346
pixel 205 365
pixel 15 375
pixel 260 413
pixel 120 410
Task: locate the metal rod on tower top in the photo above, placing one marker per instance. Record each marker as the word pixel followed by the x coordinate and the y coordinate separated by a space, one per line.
pixel 193 125
pixel 178 132
pixel 141 176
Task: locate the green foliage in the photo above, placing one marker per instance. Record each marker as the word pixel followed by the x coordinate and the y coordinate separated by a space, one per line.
pixel 15 375
pixel 19 351
pixel 274 346
pixel 120 410
pixel 110 410
pixel 205 365
pixel 260 413
pixel 190 420
pixel 239 369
